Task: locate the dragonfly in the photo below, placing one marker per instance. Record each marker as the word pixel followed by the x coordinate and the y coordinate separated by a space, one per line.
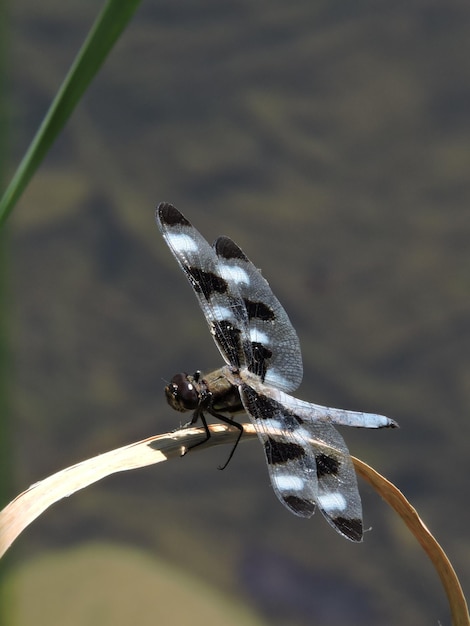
pixel 308 461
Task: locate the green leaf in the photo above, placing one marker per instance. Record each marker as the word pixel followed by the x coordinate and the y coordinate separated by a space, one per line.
pixel 101 38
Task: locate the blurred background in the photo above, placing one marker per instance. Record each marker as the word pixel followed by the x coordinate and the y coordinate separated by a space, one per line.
pixel 331 140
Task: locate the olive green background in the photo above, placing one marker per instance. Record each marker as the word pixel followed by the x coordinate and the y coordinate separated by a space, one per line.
pixel 331 141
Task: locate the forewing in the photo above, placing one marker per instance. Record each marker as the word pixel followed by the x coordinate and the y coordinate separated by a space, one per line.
pixel 273 350
pixel 308 463
pixel 218 295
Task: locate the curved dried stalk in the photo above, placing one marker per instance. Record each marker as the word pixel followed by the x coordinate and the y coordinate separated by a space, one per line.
pixel 394 497
pixel 17 515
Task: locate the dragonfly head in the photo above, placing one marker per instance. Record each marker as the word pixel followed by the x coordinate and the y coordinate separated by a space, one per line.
pixel 182 392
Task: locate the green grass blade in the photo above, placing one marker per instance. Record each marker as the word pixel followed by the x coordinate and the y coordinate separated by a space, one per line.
pixel 103 34
pixel 6 470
